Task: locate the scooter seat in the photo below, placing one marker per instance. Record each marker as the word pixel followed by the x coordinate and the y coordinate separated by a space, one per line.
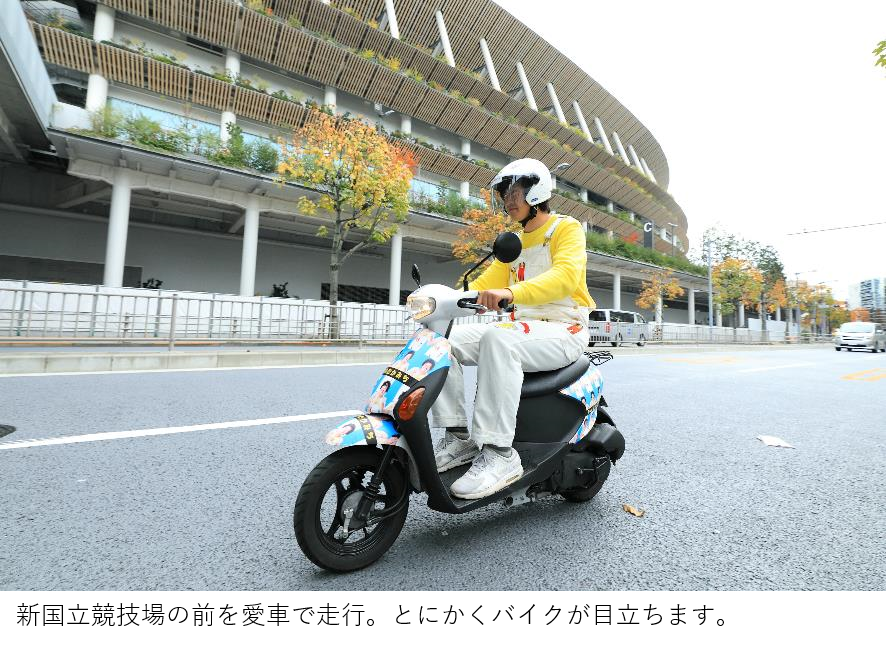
pixel 536 384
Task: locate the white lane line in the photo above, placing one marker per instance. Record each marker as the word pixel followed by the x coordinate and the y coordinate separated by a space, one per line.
pixel 118 435
pixel 154 371
pixel 782 367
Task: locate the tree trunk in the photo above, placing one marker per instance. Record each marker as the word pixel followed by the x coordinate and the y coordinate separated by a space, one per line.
pixel 763 313
pixel 334 266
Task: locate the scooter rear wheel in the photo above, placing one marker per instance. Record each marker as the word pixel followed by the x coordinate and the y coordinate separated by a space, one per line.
pixel 318 517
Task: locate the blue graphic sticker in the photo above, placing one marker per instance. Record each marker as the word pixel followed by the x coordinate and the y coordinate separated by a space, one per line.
pixel 425 353
pixel 353 432
pixel 587 390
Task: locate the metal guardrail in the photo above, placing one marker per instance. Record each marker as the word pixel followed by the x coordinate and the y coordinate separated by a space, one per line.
pixel 72 314
pixel 94 314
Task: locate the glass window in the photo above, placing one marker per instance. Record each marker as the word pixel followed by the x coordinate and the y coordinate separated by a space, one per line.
pixel 857 326
pixel 598 315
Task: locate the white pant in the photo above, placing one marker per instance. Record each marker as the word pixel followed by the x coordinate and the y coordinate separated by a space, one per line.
pixel 502 352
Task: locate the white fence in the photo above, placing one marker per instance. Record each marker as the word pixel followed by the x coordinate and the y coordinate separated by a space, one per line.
pixel 44 312
pixel 62 312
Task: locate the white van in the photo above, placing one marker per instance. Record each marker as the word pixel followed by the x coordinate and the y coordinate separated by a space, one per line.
pixel 617 327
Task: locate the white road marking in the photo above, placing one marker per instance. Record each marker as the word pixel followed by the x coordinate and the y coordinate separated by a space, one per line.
pixel 781 367
pixel 118 435
pixel 141 372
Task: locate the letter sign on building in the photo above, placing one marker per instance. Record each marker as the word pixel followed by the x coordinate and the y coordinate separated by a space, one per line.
pixel 647 234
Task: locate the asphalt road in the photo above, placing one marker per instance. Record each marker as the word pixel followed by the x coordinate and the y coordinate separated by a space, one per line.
pixel 212 509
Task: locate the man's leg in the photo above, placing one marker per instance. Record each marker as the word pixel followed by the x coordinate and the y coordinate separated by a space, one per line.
pixel 456 447
pixel 506 352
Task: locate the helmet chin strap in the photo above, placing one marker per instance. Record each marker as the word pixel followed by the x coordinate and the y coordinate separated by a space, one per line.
pixel 532 212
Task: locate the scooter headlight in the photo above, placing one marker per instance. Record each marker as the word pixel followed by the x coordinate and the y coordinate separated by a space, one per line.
pixel 420 306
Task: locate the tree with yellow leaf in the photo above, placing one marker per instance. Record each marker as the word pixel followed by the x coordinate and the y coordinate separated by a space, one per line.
pixel 482 226
pixel 860 314
pixel 363 180
pixel 736 281
pixel 661 284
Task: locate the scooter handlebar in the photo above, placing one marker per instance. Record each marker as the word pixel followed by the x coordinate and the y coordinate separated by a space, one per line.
pixel 470 303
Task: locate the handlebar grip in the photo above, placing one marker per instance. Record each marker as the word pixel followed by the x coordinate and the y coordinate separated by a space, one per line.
pixel 504 303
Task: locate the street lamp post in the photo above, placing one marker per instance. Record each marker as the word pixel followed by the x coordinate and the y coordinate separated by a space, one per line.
pixel 707 247
pixel 797 287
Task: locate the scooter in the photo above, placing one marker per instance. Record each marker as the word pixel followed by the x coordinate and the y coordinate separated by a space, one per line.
pixel 353 504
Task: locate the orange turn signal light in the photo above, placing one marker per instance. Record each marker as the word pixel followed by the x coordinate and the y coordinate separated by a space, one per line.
pixel 409 404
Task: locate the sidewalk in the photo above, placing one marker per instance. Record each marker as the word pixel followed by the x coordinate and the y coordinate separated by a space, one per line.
pixel 75 359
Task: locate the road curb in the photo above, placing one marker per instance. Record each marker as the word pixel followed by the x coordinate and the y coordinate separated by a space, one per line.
pixel 32 363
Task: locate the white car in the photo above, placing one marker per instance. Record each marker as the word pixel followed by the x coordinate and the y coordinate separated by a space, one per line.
pixel 858 334
pixel 617 327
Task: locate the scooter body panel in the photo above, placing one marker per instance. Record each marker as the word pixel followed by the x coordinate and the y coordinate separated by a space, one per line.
pixel 426 353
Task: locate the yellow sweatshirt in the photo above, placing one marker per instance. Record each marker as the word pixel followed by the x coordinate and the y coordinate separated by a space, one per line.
pixel 567 276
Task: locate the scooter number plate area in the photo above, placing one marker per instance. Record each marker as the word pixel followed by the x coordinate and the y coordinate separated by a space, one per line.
pixel 586 390
pixel 425 353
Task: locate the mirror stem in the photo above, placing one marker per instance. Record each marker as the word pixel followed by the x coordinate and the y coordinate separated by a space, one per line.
pixel 471 270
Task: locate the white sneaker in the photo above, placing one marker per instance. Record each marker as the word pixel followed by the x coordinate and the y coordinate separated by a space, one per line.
pixel 452 451
pixel 490 472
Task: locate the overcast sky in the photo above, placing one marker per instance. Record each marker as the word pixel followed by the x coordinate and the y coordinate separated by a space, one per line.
pixel 771 114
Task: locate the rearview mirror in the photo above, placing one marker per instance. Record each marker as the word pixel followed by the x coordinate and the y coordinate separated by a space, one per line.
pixel 507 247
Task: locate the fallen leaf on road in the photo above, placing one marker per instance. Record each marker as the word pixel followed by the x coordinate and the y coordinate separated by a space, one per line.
pixel 771 440
pixel 639 513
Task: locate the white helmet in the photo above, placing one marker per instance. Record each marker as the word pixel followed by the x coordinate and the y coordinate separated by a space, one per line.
pixel 536 175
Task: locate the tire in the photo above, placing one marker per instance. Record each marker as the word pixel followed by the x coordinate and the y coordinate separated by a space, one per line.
pixel 583 495
pixel 838 349
pixel 642 340
pixel 591 344
pixel 353 466
pixel 874 349
pixel 617 341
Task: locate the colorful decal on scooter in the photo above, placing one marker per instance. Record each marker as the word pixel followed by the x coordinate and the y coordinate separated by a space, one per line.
pixel 588 390
pixel 363 430
pixel 425 353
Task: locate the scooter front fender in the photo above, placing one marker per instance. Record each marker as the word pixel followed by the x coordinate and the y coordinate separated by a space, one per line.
pixel 363 430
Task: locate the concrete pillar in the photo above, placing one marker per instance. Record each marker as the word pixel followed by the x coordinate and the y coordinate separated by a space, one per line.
pixel 648 170
pixel 465 189
pixel 392 19
pixel 616 290
pixel 599 125
pixel 620 148
pixel 633 154
pixel 227 117
pixel 553 181
pixel 691 308
pixel 444 38
pixel 250 248
pixel 97 85
pixel 396 262
pixel 581 121
pixel 585 195
pixel 610 206
pixel 490 67
pixel 96 92
pixel 118 227
pixel 405 124
pixel 552 93
pixel 719 316
pixel 466 147
pixel 585 226
pixel 741 315
pixel 530 98
pixel 778 312
pixel 232 63
pixel 659 309
pixel 330 97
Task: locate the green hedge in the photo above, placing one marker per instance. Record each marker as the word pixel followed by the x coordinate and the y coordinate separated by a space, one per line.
pixel 624 249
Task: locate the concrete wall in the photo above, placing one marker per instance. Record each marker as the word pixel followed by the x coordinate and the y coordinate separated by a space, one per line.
pixel 200 262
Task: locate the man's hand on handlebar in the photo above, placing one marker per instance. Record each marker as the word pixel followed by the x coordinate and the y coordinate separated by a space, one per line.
pixel 495 299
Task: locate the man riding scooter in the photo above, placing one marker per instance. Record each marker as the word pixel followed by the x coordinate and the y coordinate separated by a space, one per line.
pixel 548 330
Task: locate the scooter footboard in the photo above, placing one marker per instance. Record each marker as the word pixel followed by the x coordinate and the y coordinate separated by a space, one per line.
pixel 364 430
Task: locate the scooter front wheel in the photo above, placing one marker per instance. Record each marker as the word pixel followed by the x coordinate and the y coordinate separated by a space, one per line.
pixel 325 532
